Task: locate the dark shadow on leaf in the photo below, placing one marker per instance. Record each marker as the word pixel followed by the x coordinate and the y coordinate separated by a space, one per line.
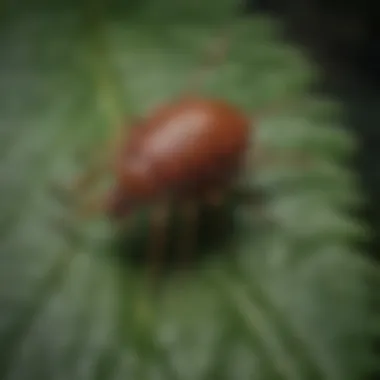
pixel 215 231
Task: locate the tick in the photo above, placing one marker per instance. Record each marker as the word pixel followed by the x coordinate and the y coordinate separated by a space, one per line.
pixel 190 151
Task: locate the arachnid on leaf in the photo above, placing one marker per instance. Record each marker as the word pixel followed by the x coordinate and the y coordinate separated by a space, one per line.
pixel 190 150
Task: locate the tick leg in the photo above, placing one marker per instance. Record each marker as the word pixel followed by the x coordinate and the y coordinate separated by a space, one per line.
pixel 157 238
pixel 82 184
pixel 188 236
pixel 100 162
pixel 216 199
pixel 87 210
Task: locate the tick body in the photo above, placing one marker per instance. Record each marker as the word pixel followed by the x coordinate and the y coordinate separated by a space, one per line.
pixel 189 151
pixel 184 150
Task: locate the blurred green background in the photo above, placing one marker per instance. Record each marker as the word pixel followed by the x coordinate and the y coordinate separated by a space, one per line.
pixel 293 300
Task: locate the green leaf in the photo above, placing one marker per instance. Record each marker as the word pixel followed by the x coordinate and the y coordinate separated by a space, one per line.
pixel 284 300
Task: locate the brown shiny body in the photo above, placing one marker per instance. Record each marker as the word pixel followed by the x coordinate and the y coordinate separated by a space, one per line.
pixel 182 150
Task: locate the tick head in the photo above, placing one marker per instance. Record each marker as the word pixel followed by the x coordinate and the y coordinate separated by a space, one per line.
pixel 135 185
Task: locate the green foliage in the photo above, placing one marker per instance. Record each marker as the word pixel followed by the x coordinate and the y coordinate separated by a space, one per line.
pixel 291 302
